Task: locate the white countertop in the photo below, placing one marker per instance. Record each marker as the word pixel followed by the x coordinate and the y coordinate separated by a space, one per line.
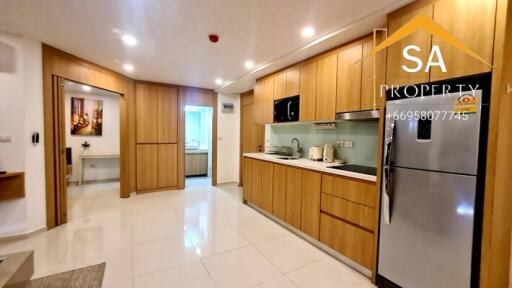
pixel 197 151
pixel 312 165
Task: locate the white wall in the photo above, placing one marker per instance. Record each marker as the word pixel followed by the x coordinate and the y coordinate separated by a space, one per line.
pixel 21 113
pixel 108 143
pixel 228 140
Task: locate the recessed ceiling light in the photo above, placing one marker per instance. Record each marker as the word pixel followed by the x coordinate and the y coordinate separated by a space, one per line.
pixel 86 88
pixel 129 40
pixel 308 32
pixel 218 81
pixel 128 67
pixel 249 64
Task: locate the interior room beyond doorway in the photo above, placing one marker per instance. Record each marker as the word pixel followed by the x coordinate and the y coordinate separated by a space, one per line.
pixel 198 145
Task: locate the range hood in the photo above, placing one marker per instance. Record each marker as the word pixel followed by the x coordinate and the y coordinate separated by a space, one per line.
pixel 371 115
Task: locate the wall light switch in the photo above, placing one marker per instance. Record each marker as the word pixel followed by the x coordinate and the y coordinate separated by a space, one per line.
pixel 348 144
pixel 5 138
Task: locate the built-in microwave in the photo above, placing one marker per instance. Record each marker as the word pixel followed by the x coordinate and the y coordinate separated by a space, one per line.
pixel 286 109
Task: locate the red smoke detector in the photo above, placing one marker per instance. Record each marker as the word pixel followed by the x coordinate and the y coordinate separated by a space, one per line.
pixel 214 38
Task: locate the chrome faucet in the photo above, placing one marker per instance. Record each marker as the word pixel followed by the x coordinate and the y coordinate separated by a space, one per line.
pixel 299 149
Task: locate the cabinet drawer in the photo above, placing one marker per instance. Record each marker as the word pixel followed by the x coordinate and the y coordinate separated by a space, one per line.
pixel 358 214
pixel 351 241
pixel 350 189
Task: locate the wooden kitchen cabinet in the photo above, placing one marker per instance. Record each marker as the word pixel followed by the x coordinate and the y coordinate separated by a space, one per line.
pixel 167 165
pixel 395 75
pixel 279 192
pixel 348 97
pixel 326 88
pixel 196 163
pixel 308 79
pixel 146 113
pixel 248 179
pixel 267 175
pixel 293 81
pixel 472 22
pixel 369 88
pixel 355 190
pixel 167 114
pixel 352 212
pixel 293 196
pixel 264 101
pixel 349 240
pixel 147 167
pixel 256 183
pixel 310 209
pixel 280 85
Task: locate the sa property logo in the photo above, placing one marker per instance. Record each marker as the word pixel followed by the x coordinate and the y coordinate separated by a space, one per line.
pixel 423 22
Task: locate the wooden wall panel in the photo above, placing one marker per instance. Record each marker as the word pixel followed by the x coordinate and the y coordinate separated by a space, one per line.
pixel 147 166
pixel 167 114
pixel 167 165
pixel 147 113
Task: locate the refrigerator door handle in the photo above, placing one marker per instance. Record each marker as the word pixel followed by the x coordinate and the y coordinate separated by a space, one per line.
pixel 388 195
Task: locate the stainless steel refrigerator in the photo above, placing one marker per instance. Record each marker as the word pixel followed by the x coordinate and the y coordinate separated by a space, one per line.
pixel 433 184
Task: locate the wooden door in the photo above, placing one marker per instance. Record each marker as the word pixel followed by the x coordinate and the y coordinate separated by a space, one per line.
pixel 252 135
pixel 147 166
pixel 61 194
pixel 146 113
pixel 293 196
pixel 280 85
pixel 167 114
pixel 256 182
pixel 348 96
pixel 395 75
pixel 293 81
pixel 268 101
pixel 247 193
pixel 310 211
pixel 326 88
pixel 167 165
pixel 308 82
pixel 371 90
pixel 472 22
pixel 267 175
pixel 279 192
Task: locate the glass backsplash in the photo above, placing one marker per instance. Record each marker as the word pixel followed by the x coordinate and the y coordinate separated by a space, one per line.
pixel 363 134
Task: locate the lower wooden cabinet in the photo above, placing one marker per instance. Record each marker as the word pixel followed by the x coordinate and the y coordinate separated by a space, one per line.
pixel 310 203
pixel 256 183
pixel 247 193
pixel 347 239
pixel 156 166
pixel 293 196
pixel 147 169
pixel 279 192
pixel 167 165
pixel 267 174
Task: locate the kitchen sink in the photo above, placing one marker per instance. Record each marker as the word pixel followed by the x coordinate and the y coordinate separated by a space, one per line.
pixel 356 168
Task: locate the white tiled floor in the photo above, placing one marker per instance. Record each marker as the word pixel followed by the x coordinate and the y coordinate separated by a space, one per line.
pixel 198 237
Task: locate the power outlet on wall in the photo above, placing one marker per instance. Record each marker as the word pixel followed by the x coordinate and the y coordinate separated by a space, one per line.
pixel 348 144
pixel 339 143
pixel 5 138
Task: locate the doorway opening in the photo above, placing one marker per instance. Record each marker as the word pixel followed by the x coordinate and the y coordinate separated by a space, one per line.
pixel 198 145
pixel 92 141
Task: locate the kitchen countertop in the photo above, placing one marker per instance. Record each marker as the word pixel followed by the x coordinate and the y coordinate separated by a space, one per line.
pixel 312 165
pixel 196 151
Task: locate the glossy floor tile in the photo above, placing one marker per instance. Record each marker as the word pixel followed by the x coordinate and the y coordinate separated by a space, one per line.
pixel 202 236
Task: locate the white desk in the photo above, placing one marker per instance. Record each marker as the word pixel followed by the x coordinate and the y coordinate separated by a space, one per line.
pixel 83 157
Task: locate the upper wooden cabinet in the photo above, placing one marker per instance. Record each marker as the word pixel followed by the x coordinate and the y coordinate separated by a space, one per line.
pixel 395 75
pixel 167 115
pixel 326 87
pixel 348 97
pixel 293 81
pixel 371 90
pixel 264 101
pixel 146 113
pixel 472 22
pixel 280 85
pixel 308 91
pixel 157 113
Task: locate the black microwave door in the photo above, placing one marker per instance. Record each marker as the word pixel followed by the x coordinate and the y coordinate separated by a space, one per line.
pixel 286 110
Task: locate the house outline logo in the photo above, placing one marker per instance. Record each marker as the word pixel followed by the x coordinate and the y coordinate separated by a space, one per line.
pixel 425 23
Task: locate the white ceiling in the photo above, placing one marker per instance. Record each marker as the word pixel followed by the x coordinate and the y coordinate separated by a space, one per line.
pixel 173 46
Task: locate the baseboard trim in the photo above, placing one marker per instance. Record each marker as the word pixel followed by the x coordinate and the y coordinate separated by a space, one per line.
pixel 21 236
pixel 335 254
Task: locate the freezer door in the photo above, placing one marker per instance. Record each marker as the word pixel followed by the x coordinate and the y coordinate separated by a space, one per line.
pixel 428 242
pixel 447 142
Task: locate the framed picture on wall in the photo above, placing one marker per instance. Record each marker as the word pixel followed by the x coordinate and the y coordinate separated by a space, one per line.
pixel 86 117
